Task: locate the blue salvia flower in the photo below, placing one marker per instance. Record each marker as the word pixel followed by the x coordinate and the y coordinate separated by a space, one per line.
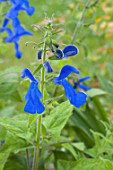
pixel 80 85
pixel 76 98
pixel 18 31
pixel 69 50
pixel 33 104
pixel 48 67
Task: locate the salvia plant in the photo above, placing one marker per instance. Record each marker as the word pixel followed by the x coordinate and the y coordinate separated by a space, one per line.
pixel 35 100
pixel 42 129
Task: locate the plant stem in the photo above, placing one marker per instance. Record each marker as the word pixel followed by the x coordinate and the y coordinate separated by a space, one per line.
pixel 79 22
pixel 28 161
pixel 38 133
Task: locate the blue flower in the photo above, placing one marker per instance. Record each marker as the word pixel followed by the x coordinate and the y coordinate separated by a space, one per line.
pixel 33 104
pixel 80 85
pixel 69 50
pixel 48 67
pixel 18 31
pixel 76 98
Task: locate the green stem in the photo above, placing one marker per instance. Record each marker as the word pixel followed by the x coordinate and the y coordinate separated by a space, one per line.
pixel 28 160
pixel 38 133
pixel 79 22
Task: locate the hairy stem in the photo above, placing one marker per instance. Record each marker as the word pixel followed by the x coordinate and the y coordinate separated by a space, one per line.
pixel 79 22
pixel 38 133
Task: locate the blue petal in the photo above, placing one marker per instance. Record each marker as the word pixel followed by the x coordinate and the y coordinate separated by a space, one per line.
pixel 84 87
pixel 30 107
pixel 59 53
pixel 38 105
pixel 2 30
pixel 48 67
pixel 6 20
pixel 33 99
pixel 30 11
pixel 12 14
pixel 26 73
pixel 84 78
pixel 28 94
pixel 15 23
pixel 66 70
pixel 76 98
pixel 36 100
pixel 69 90
pixel 70 50
pixel 80 99
pixel 33 87
pixel 18 54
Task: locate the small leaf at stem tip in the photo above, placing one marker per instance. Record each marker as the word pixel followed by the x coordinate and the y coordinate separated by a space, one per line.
pixel 37 69
pixel 53 57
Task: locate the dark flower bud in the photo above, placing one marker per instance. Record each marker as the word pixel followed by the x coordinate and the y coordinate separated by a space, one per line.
pixel 59 54
pixel 39 55
pixel 48 67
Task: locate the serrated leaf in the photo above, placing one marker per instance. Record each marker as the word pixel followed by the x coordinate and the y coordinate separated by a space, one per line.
pixel 70 148
pixel 58 118
pixel 3 159
pixel 16 162
pixel 85 164
pixel 16 127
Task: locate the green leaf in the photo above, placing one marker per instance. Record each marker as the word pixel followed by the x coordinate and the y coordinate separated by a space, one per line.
pixel 9 82
pixel 53 57
pixel 16 162
pixel 7 111
pixel 70 148
pixel 16 127
pixel 38 68
pixel 58 118
pixel 79 145
pixel 3 158
pixel 95 92
pixel 85 164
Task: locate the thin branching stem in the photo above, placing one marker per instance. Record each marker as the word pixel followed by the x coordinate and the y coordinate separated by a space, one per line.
pixel 79 22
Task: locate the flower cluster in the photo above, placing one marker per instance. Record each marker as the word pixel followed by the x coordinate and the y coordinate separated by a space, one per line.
pixel 18 30
pixel 33 96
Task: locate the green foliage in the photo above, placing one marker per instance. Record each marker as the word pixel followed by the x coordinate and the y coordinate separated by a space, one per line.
pixel 58 118
pixel 85 164
pixel 72 139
